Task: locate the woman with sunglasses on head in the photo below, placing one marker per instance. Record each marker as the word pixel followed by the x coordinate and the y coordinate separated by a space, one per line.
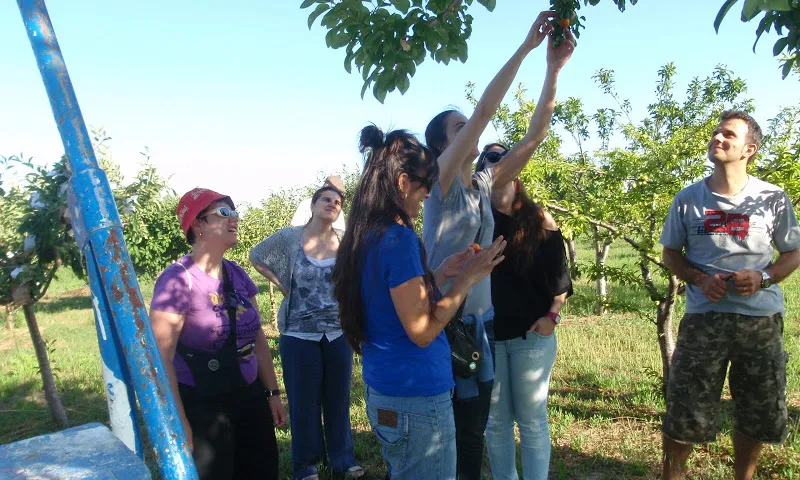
pixel 458 213
pixel 317 360
pixel 528 292
pixel 393 314
pixel 206 322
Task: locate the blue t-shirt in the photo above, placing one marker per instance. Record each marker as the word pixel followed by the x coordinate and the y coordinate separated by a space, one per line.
pixel 392 364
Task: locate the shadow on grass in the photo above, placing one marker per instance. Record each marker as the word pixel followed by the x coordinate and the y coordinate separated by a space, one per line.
pixel 367 453
pixel 567 463
pixel 64 303
pixel 25 414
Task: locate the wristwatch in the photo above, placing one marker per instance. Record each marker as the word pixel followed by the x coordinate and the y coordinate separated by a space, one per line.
pixel 766 280
pixel 273 393
pixel 556 318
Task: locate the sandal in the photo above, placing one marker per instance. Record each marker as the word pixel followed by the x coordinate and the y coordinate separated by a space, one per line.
pixel 354 472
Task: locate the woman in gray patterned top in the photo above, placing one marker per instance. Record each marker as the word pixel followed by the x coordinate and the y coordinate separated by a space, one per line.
pixel 317 360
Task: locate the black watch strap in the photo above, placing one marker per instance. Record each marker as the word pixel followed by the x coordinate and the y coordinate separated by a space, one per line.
pixel 273 393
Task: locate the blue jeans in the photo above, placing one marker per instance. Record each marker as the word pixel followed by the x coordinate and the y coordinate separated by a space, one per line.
pixel 417 435
pixel 317 380
pixel 521 386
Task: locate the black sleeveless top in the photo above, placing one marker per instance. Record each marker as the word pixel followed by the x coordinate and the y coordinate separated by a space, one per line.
pixel 522 297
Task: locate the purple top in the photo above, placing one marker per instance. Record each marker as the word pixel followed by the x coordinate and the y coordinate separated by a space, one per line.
pixel 185 289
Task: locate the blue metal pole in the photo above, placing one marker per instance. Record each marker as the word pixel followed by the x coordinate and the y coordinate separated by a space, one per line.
pixel 96 215
pixel 122 412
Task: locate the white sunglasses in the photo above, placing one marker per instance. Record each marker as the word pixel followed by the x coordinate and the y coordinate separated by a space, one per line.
pixel 223 212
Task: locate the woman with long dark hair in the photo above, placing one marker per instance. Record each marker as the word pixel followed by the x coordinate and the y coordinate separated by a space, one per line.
pixel 528 292
pixel 458 213
pixel 391 310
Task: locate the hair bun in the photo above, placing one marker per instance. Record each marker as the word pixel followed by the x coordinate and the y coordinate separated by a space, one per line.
pixel 371 137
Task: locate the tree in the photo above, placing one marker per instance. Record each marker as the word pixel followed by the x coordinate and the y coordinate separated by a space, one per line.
pixel 587 185
pixel 626 191
pixel 665 152
pixel 779 159
pixel 147 209
pixel 36 241
pixel 388 39
pixel 781 14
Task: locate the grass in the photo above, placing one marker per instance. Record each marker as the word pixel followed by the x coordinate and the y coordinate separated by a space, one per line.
pixel 605 403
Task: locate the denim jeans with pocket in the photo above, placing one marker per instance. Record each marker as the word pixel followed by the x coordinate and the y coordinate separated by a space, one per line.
pixel 417 435
pixel 521 387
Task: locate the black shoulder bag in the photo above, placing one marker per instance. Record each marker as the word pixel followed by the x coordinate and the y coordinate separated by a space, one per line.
pixel 218 372
pixel 465 352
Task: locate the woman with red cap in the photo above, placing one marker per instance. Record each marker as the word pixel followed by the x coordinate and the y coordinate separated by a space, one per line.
pixel 222 377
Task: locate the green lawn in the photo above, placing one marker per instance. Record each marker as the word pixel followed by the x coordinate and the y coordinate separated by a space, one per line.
pixel 605 404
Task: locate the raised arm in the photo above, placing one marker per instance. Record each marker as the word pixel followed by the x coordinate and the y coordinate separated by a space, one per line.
pixel 453 157
pixel 516 159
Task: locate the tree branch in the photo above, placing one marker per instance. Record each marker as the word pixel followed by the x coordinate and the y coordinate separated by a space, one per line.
pixel 613 229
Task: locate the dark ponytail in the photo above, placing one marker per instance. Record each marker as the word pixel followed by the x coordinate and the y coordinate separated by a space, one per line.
pixel 370 138
pixel 377 204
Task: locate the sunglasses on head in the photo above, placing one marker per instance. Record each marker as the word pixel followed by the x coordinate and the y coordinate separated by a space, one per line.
pixel 224 212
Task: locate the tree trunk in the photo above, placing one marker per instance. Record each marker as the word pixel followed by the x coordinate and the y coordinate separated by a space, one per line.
pixel 601 248
pixel 48 382
pixel 273 305
pixel 666 340
pixel 573 258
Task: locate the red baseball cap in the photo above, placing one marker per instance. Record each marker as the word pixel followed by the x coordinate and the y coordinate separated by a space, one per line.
pixel 195 201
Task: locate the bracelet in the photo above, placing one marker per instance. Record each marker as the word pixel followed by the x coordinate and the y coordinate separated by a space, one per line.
pixel 273 393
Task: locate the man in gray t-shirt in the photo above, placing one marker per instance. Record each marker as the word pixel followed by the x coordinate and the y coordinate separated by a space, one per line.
pixel 720 237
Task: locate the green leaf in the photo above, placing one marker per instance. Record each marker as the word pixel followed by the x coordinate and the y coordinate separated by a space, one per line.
pixel 403 83
pixel 308 3
pixel 340 40
pixel 787 67
pixel 462 52
pixel 321 8
pixel 779 46
pixel 763 26
pixel 402 5
pixel 331 18
pixel 380 93
pixel 348 62
pixel 722 12
pixel 779 5
pixel 750 9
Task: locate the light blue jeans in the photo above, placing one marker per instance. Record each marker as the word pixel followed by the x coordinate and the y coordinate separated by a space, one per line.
pixel 521 386
pixel 417 435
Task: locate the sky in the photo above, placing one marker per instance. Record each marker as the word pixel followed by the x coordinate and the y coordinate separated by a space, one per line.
pixel 246 100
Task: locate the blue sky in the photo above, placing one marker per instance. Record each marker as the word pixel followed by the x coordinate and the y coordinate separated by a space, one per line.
pixel 246 100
